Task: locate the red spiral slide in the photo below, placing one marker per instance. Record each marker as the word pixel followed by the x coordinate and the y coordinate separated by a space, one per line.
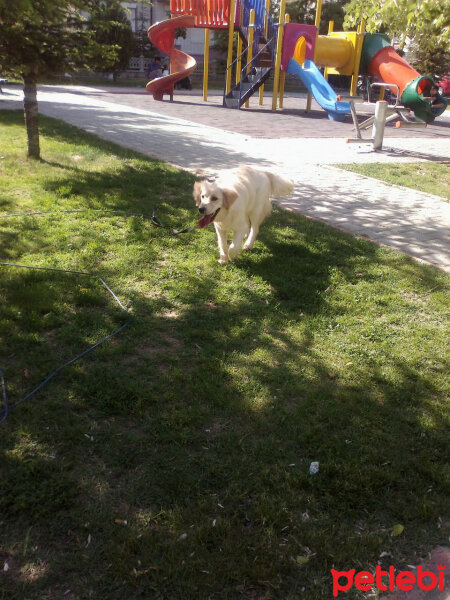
pixel 181 64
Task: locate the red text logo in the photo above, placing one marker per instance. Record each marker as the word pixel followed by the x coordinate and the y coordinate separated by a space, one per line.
pixel 388 580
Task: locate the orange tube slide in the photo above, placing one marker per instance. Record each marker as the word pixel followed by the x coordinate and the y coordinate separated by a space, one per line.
pixel 389 67
pixel 181 64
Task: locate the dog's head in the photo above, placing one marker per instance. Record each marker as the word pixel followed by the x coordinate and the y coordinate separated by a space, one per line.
pixel 210 197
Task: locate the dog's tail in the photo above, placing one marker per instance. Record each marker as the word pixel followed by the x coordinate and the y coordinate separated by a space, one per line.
pixel 279 185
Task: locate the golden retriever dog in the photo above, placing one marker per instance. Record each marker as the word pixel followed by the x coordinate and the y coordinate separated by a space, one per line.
pixel 238 200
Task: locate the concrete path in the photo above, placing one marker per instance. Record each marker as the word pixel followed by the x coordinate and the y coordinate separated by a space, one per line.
pixel 184 134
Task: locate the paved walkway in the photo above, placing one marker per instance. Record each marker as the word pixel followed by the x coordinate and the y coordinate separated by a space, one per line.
pixel 205 137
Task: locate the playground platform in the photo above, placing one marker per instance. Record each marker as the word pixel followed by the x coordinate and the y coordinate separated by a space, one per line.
pixel 205 137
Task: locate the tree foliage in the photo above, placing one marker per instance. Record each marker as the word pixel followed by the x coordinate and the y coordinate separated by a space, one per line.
pixel 42 37
pixel 46 37
pixel 110 26
pixel 304 11
pixel 424 24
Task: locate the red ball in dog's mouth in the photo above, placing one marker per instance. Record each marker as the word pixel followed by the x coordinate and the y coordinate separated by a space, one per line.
pixel 207 219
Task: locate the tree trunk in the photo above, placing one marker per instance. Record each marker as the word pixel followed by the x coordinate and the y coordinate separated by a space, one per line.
pixel 30 107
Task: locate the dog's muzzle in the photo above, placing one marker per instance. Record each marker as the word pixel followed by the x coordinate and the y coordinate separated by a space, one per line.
pixel 207 219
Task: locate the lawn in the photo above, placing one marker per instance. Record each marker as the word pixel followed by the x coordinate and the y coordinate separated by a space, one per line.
pixel 428 177
pixel 173 460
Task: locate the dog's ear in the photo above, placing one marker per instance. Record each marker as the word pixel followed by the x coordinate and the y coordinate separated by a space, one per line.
pixel 197 192
pixel 229 196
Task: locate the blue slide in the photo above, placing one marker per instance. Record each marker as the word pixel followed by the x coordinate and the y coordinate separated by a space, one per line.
pixel 320 88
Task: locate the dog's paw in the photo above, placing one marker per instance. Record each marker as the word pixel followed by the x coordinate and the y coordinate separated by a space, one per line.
pixel 223 260
pixel 247 247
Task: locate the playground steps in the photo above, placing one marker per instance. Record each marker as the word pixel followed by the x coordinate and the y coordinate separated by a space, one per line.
pixel 264 56
pixel 260 65
pixel 242 91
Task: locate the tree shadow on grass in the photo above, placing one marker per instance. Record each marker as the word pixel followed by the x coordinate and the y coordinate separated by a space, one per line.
pixel 156 135
pixel 205 418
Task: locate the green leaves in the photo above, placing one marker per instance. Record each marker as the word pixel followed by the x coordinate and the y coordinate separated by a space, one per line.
pixel 51 36
pixel 411 21
pixel 112 38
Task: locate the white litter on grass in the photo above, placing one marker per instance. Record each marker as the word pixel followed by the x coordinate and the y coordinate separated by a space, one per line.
pixel 314 468
pixel 183 536
pixel 6 566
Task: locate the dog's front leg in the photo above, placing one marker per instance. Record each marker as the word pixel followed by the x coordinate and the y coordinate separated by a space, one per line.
pixel 222 242
pixel 236 246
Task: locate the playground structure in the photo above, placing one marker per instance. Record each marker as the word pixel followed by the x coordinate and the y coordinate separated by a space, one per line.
pixel 266 48
pixel 181 64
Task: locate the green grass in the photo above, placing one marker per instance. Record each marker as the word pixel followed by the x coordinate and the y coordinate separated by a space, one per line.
pixel 429 177
pixel 173 461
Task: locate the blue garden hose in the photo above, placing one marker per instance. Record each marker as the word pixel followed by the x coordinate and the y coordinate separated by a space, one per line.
pixel 7 407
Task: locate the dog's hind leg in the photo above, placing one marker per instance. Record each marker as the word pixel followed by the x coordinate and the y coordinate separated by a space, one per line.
pixel 251 239
pixel 255 223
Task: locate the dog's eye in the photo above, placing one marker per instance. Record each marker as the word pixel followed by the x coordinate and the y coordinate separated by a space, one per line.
pixel 213 198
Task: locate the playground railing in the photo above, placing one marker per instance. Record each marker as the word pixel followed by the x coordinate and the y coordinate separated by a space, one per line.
pixel 207 13
pixel 389 86
pixel 250 66
pixel 233 65
pixel 263 50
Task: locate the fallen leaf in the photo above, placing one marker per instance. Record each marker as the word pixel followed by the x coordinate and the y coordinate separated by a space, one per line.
pixel 301 560
pixel 397 530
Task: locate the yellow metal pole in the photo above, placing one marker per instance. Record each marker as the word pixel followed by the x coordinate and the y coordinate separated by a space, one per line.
pixel 206 66
pixel 251 37
pixel 359 44
pixel 330 30
pixel 318 13
pixel 266 29
pixel 239 60
pixel 230 44
pixel 276 75
pixel 287 18
pixel 317 24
